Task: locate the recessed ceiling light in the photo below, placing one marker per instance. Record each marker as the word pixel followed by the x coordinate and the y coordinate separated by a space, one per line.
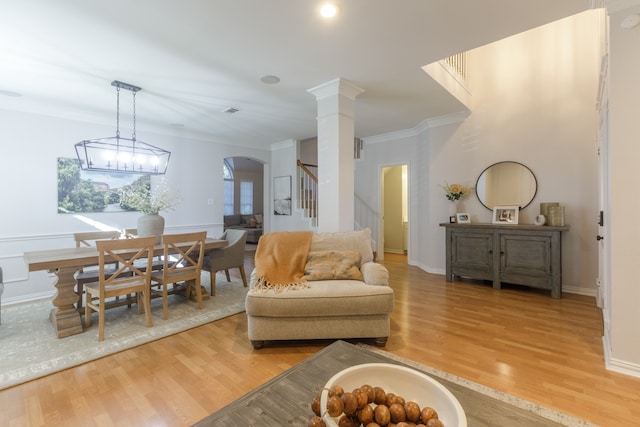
pixel 328 10
pixel 270 80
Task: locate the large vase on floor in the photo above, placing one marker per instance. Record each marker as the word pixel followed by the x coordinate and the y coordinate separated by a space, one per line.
pixel 151 225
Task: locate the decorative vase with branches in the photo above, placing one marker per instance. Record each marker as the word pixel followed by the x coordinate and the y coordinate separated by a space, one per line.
pixel 151 200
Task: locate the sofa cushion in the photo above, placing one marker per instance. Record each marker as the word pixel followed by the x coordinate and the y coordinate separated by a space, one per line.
pixel 322 298
pixel 331 265
pixel 359 241
pixel 232 220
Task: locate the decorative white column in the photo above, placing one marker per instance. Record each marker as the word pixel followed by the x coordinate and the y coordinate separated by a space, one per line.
pixel 336 132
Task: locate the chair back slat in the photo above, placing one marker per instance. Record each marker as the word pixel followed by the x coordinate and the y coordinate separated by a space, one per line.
pixel 86 238
pixel 182 259
pixel 110 251
pixel 124 280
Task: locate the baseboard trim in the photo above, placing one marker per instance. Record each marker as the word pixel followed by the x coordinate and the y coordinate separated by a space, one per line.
pixel 6 302
pixel 591 292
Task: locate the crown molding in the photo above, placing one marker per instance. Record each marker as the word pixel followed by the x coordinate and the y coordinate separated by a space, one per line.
pixel 423 126
pixel 282 144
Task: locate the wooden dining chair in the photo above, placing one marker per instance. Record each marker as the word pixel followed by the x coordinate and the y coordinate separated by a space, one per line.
pixel 183 256
pixel 125 279
pixel 131 233
pixel 88 239
pixel 90 275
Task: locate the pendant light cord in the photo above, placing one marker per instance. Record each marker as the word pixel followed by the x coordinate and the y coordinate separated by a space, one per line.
pixel 133 136
pixel 118 112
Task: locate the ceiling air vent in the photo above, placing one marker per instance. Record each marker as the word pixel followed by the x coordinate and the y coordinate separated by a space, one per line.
pixel 230 110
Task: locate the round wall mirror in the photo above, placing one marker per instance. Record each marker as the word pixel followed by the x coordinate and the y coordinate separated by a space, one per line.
pixel 506 184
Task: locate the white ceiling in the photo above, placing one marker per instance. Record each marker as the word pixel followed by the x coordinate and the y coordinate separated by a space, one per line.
pixel 195 58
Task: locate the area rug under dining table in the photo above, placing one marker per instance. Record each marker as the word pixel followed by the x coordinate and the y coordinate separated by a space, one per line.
pixel 30 349
pixel 286 399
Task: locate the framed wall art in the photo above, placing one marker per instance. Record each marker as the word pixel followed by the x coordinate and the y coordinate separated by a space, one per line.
pixel 282 195
pixel 81 191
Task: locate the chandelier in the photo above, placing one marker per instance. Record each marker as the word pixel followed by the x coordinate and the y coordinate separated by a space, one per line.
pixel 119 154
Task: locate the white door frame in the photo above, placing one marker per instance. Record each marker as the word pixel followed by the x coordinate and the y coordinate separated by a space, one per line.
pixel 603 281
pixel 380 238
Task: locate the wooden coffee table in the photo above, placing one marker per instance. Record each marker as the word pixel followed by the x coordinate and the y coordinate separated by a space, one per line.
pixel 286 399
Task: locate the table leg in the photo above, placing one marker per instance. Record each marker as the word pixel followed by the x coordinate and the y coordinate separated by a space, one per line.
pixel 190 292
pixel 64 317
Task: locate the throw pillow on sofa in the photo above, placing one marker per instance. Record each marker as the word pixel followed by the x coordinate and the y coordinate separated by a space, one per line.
pixel 333 265
pixel 359 241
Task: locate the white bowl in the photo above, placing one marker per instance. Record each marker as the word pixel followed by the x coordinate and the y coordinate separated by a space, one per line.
pixel 412 385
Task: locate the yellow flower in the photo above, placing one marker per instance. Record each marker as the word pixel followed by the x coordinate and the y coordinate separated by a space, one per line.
pixel 455 191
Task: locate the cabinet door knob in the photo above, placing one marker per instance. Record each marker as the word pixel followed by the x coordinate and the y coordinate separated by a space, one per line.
pixel 599 237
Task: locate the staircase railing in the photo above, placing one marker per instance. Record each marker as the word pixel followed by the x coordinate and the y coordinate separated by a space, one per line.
pixel 458 64
pixel 308 191
pixel 307 201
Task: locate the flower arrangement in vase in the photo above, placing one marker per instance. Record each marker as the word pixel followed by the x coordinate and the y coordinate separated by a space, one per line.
pixel 455 192
pixel 151 201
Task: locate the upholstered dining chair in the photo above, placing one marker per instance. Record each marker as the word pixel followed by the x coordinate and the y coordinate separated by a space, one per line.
pixel 125 279
pixel 84 276
pixel 183 255
pixel 230 256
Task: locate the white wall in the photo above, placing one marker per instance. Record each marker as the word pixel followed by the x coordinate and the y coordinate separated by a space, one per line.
pixel 534 102
pixel 400 148
pixel 283 161
pixel 28 170
pixel 624 96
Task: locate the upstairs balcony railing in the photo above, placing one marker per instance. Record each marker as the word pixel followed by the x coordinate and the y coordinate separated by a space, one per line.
pixel 307 189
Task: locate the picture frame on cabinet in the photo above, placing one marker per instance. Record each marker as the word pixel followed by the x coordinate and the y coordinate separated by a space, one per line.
pixel 463 218
pixel 507 215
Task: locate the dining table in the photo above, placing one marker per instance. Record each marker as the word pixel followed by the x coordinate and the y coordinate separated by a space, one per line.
pixel 65 263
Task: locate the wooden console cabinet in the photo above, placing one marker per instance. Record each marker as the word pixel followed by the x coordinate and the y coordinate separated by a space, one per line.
pixel 528 255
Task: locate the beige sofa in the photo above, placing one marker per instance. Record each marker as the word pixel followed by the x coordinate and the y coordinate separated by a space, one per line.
pixel 326 309
pixel 251 223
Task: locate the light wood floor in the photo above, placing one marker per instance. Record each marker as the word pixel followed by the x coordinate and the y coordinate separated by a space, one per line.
pixel 516 340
